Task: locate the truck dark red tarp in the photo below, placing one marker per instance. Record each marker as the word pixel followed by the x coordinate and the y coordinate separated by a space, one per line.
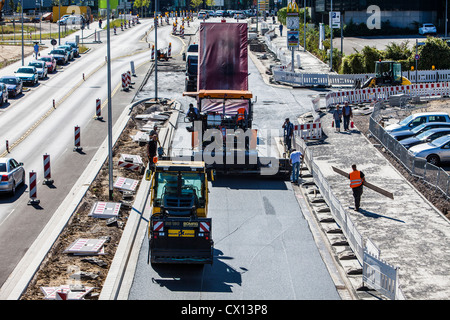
pixel 222 66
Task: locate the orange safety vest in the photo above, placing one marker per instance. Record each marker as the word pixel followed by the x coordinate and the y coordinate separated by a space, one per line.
pixel 355 179
pixel 240 114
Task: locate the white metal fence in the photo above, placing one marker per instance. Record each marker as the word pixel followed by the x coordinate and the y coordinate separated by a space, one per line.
pixel 377 274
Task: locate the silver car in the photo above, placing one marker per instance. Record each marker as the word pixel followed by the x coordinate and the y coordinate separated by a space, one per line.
pixel 41 68
pixel 12 175
pixel 435 152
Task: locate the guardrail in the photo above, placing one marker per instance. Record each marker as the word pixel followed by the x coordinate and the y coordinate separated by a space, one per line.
pixel 377 274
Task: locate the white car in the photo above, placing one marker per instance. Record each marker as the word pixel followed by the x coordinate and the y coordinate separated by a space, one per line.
pixel 202 15
pixel 427 28
pixel 12 174
pixel 41 68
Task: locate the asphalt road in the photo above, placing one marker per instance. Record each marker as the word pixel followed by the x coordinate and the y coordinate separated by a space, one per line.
pixel 264 248
pixel 38 129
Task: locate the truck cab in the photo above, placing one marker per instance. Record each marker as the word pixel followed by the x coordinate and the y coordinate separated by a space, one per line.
pixel 179 229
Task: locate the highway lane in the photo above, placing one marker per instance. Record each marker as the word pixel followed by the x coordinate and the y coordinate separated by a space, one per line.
pixel 20 223
pixel 264 248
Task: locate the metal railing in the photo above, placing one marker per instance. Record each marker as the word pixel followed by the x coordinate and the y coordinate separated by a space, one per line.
pixel 420 168
pixel 377 273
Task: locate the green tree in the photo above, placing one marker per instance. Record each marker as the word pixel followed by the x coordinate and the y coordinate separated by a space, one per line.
pixel 196 3
pixel 435 52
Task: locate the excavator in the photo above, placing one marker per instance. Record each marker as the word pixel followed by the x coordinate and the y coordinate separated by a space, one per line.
pixel 387 73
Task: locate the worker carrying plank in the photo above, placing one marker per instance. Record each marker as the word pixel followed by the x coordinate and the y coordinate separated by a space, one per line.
pixel 357 181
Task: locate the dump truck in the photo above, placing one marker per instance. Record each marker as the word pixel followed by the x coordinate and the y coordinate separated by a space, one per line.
pixel 223 135
pixel 179 230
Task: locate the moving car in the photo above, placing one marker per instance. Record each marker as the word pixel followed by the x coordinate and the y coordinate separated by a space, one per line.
pixel 74 45
pixel 427 28
pixel 27 75
pixel 41 68
pixel 50 62
pixel 68 50
pixel 426 136
pixel 3 94
pixel 403 134
pixel 202 15
pixel 436 151
pixel 61 56
pixel 13 84
pixel 12 174
pixel 416 119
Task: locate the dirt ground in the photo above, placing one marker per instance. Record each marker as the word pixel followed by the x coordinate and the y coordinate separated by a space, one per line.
pixel 435 197
pixel 9 54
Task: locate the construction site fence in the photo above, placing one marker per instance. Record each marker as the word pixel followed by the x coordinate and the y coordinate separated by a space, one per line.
pixel 377 274
pixel 356 96
pixel 434 176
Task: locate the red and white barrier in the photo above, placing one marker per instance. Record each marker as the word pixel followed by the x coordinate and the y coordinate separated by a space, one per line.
pixel 125 82
pixel 77 139
pixel 98 109
pixel 7 146
pixel 47 171
pixel 33 189
pixel 129 79
pixel 169 50
pixel 309 131
pixel 153 52
pixel 131 162
pixel 182 31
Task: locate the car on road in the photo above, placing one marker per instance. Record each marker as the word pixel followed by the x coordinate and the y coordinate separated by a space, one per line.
pixel 50 63
pixel 416 119
pixel 61 56
pixel 3 94
pixel 436 151
pixel 68 50
pixel 202 15
pixel 70 20
pixel 28 75
pixel 41 68
pixel 426 136
pixel 403 134
pixel 220 13
pixel 74 45
pixel 13 84
pixel 12 174
pixel 427 28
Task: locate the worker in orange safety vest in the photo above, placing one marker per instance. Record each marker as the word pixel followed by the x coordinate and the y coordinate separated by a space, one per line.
pixel 241 117
pixel 356 183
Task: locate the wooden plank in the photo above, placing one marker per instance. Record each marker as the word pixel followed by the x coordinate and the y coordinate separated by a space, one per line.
pixel 367 184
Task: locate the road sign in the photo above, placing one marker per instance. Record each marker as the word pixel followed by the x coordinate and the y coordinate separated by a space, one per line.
pixel 335 19
pixel 292 38
pixel 417 57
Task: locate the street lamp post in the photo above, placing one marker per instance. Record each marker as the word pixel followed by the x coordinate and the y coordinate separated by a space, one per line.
pixel 331 36
pixel 21 17
pixel 156 51
pixel 108 63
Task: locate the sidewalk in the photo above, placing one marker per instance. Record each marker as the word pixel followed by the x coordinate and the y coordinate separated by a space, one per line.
pixel 308 62
pixel 409 231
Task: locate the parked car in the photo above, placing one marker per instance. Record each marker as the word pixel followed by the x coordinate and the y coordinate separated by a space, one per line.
pixel 13 84
pixel 12 175
pixel 426 136
pixel 61 56
pixel 403 134
pixel 3 94
pixel 74 45
pixel 68 50
pixel 70 20
pixel 436 151
pixel 41 68
pixel 50 62
pixel 27 75
pixel 220 13
pixel 202 15
pixel 416 119
pixel 427 28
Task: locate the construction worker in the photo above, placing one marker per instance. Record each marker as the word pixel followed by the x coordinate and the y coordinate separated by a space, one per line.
pixel 288 133
pixel 356 183
pixel 295 161
pixel 193 113
pixel 241 119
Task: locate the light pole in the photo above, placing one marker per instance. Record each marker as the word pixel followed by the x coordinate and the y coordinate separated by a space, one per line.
pixel 108 67
pixel 156 50
pixel 21 17
pixel 331 36
pixel 59 24
pixel 304 26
